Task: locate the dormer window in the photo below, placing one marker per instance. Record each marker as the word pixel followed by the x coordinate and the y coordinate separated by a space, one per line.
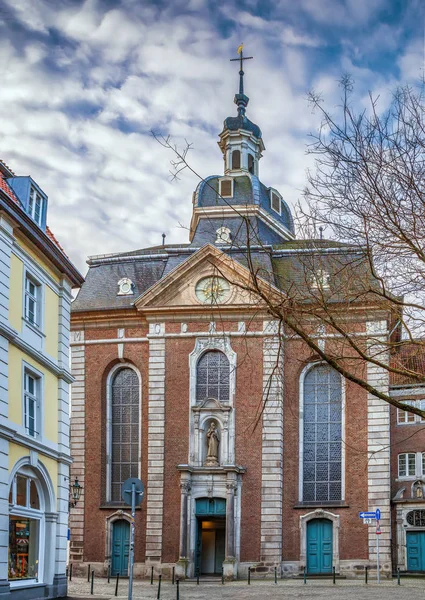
pixel 275 201
pixel 125 287
pixel 226 188
pixel 35 205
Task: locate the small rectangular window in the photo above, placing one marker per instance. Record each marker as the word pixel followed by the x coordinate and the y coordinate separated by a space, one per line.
pixel 32 301
pixel 31 402
pixel 226 188
pixel 404 417
pixel 35 206
pixel 275 202
pixel 407 464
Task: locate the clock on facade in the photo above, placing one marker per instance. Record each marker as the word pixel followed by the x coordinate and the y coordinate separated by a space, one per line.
pixel 212 290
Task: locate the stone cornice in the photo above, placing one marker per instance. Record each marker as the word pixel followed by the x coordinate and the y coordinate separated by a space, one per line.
pixel 14 338
pixel 7 432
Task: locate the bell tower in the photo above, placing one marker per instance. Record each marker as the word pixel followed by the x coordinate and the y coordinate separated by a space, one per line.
pixel 241 140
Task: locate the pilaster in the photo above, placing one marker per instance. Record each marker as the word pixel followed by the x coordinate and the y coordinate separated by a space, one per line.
pixel 76 517
pixel 156 440
pixel 272 447
pixel 379 482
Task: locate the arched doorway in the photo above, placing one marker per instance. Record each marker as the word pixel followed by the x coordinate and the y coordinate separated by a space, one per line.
pixel 120 547
pixel 211 535
pixel 319 546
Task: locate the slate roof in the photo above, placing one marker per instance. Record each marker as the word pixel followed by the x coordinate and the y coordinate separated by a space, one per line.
pixel 241 122
pixel 100 290
pixel 247 189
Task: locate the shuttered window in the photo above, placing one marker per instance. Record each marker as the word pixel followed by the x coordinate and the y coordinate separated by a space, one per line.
pixel 275 202
pixel 226 188
pixel 236 159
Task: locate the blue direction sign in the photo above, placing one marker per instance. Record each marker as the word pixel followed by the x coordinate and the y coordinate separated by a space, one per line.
pixel 378 514
pixel 369 515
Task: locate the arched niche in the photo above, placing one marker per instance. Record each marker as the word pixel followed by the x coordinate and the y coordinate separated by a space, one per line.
pixel 202 413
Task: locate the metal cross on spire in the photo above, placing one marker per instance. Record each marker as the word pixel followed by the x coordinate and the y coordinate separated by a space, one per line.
pixel 241 72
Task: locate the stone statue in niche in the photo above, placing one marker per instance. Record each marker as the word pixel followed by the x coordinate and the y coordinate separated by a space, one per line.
pixel 418 491
pixel 213 441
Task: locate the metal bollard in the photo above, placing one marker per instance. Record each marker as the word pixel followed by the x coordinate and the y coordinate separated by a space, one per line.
pixel 109 573
pixel 333 575
pixel 67 572
pixel 398 576
pixel 152 576
pixel 365 575
pixel 222 576
pixel 92 583
pixel 88 574
pixel 174 575
pixel 197 576
pixel 177 590
pixel 70 572
pixel 116 584
pixel 305 574
pixel 275 575
pixel 158 596
pixel 249 575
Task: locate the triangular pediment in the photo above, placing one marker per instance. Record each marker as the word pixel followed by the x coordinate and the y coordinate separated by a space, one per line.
pixel 178 287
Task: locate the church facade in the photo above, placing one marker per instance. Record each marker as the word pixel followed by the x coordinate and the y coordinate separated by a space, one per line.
pixel 252 451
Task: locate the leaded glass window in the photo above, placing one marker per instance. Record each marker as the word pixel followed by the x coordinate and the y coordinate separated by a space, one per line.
pixel 322 462
pixel 125 429
pixel 416 518
pixel 212 376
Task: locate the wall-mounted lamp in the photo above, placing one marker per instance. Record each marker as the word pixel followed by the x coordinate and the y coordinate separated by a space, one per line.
pixel 74 493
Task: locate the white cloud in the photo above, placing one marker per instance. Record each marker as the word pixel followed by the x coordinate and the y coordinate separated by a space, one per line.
pixel 77 114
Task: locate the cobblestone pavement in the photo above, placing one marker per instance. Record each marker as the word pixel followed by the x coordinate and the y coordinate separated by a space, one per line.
pixel 410 589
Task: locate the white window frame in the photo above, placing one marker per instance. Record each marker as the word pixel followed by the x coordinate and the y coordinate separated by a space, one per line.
pixel 232 186
pixel 37 298
pixel 304 372
pixel 32 205
pixel 276 193
pixel 419 465
pixel 406 418
pixel 36 398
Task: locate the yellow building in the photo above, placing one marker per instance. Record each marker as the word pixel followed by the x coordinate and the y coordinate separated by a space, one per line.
pixel 36 280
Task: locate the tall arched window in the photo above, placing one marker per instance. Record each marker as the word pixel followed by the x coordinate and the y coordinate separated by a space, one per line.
pixel 212 376
pixel 250 163
pixel 236 159
pixel 125 401
pixel 322 430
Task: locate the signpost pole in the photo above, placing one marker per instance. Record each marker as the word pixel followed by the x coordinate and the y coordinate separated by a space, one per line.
pixel 133 519
pixel 377 558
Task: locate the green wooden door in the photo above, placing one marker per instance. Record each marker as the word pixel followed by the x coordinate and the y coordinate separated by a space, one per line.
pixel 120 547
pixel 415 542
pixel 319 546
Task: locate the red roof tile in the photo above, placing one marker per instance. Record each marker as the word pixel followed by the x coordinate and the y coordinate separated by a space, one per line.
pixel 411 357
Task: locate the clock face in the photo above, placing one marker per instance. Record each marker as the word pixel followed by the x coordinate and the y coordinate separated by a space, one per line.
pixel 212 290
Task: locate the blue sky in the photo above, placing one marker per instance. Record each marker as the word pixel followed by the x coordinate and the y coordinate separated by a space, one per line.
pixel 83 82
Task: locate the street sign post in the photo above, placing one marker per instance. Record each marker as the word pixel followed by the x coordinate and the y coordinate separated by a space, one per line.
pixel 368 517
pixel 132 493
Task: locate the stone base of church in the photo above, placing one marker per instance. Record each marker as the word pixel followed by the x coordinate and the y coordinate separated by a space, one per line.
pixel 230 569
pixel 181 568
